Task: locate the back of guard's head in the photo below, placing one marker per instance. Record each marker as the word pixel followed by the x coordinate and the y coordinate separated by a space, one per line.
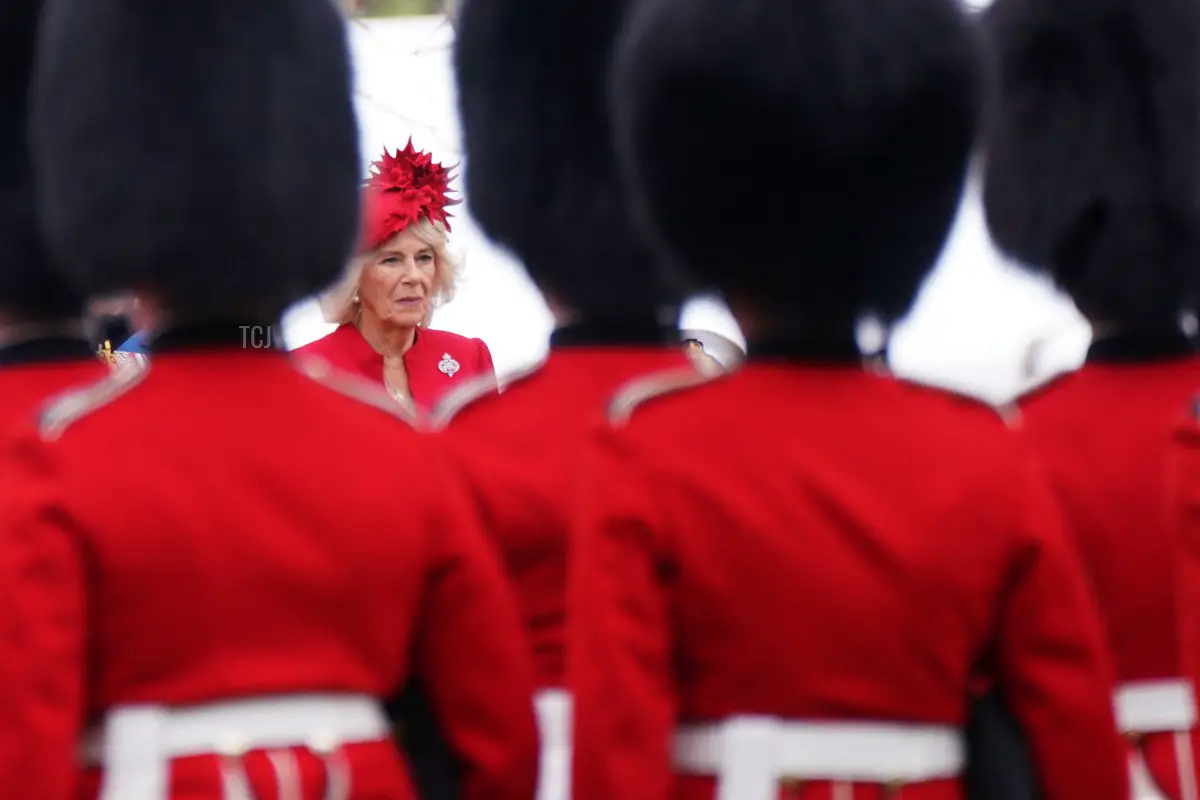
pixel 541 172
pixel 803 157
pixel 1093 151
pixel 31 288
pixel 205 151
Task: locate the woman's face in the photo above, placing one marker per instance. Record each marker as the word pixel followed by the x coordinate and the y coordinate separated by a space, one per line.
pixel 397 281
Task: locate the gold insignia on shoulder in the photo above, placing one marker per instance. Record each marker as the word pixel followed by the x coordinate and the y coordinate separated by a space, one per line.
pixel 105 352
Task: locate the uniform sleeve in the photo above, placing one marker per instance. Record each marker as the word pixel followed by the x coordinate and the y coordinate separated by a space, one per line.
pixel 471 655
pixel 1053 661
pixel 42 600
pixel 1184 491
pixel 1184 496
pixel 619 639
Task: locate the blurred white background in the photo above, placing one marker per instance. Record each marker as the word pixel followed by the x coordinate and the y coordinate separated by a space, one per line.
pixel 980 326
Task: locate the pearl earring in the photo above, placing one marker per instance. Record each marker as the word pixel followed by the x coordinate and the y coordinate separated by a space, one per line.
pixel 356 297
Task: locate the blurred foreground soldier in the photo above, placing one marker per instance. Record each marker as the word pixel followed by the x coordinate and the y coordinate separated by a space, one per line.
pixel 786 582
pixel 43 347
pixel 543 182
pixel 1093 175
pixel 228 628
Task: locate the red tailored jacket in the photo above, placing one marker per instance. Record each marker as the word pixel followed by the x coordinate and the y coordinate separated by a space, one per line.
pixel 1104 435
pixel 437 363
pixel 517 453
pixel 33 371
pixel 256 547
pixel 816 542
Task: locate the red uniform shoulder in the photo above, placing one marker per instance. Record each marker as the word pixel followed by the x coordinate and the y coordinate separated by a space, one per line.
pixel 63 411
pixel 476 390
pixel 1037 393
pixel 643 390
pixel 1008 413
pixel 355 388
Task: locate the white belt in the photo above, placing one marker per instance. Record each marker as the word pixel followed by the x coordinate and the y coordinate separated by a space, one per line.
pixel 1159 706
pixel 553 707
pixel 1155 706
pixel 138 742
pixel 749 756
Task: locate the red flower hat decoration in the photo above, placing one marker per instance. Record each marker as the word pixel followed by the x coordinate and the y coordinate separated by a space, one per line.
pixel 401 190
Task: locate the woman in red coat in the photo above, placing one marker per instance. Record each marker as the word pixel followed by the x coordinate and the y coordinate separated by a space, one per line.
pixel 383 305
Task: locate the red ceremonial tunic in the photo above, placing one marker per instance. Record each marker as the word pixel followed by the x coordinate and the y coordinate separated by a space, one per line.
pixel 257 547
pixel 819 543
pixel 1104 435
pixel 518 452
pixel 35 370
pixel 437 363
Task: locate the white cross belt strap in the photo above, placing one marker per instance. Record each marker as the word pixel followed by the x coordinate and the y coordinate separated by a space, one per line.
pixel 553 708
pixel 138 742
pixel 750 755
pixel 1155 706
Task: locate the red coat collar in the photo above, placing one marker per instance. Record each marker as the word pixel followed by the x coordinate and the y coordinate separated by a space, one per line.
pixel 365 357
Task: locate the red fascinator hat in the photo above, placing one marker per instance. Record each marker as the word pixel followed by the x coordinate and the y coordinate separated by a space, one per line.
pixel 401 190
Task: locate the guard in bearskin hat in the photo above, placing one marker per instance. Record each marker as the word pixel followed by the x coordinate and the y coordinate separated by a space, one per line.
pixel 227 627
pixel 542 181
pixel 791 579
pixel 1093 177
pixel 43 349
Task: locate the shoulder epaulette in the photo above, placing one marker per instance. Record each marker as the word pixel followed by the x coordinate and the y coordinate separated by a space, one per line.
pixel 119 359
pixel 122 360
pixel 66 409
pixel 477 388
pixel 320 371
pixel 641 390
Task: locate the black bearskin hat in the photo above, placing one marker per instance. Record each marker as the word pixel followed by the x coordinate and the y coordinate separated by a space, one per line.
pixel 541 174
pixel 207 151
pixel 805 157
pixel 1093 150
pixel 29 287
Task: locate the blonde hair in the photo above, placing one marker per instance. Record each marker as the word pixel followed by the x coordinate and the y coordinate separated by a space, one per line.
pixel 338 303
